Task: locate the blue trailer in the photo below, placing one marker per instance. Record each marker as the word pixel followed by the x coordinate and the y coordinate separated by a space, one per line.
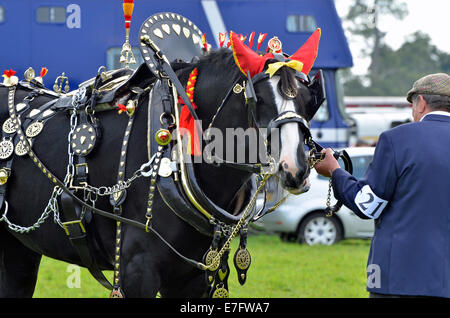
pixel 78 36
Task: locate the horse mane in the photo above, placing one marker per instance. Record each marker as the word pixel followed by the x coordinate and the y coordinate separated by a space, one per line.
pixel 219 64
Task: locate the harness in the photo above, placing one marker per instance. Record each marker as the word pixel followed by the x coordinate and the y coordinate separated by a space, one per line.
pixel 169 167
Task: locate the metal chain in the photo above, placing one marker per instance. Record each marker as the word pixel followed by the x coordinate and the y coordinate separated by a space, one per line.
pixel 76 102
pixel 118 187
pixel 329 199
pixel 237 227
pixel 144 171
pixel 52 206
pixel 276 205
pixel 312 162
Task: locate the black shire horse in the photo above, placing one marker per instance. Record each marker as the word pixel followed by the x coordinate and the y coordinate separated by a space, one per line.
pixel 147 265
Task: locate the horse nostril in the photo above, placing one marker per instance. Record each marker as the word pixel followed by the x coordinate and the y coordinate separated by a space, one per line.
pixel 291 169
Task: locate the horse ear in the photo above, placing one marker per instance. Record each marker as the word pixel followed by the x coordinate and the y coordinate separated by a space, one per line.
pixel 246 59
pixel 317 90
pixel 307 54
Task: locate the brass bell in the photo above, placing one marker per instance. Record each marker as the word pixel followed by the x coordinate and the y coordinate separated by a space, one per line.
pixel 4 175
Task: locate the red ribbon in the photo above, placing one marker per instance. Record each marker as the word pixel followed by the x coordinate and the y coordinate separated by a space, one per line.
pixel 187 128
pixel 187 124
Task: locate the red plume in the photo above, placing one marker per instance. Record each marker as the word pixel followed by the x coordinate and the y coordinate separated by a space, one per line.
pixel 307 54
pixel 250 39
pixel 9 73
pixel 222 38
pixel 261 38
pixel 204 42
pixel 44 71
pixel 246 59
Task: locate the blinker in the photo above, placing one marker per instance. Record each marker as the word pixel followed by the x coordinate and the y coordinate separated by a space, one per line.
pixel 317 90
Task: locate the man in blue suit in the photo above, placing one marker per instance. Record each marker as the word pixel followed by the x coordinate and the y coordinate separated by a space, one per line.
pixel 406 190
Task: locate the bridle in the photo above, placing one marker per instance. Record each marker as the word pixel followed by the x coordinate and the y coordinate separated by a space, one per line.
pixel 250 102
pixel 315 154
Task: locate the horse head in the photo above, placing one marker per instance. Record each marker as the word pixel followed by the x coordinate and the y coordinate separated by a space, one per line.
pixel 284 100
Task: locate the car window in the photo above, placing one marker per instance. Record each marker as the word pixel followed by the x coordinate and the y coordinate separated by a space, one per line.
pixel 360 165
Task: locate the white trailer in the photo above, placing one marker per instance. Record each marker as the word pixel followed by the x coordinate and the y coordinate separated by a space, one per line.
pixel 371 115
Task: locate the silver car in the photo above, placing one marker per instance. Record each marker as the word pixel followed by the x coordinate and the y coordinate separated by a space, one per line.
pixel 301 218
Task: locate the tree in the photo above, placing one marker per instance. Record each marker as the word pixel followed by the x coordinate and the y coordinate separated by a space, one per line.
pixel 363 17
pixel 399 69
pixel 390 72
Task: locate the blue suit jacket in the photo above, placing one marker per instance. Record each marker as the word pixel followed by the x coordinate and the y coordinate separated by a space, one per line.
pixel 406 189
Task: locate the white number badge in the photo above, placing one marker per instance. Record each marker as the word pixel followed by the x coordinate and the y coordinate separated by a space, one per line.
pixel 369 203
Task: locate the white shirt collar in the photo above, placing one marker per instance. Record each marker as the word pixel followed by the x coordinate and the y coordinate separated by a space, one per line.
pixel 436 112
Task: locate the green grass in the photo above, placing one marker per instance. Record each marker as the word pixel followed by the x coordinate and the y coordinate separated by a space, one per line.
pixel 278 270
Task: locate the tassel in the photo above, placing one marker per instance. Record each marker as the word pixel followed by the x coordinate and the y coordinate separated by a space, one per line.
pixel 128 7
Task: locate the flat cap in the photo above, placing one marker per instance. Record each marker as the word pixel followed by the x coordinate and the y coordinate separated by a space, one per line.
pixel 433 84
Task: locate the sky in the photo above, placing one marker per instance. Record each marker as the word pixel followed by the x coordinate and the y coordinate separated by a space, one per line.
pixel 429 16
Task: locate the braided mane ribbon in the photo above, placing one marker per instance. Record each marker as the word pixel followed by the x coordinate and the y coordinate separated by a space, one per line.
pixel 187 123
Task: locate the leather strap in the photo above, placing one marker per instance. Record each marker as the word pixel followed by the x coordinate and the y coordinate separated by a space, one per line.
pixel 76 232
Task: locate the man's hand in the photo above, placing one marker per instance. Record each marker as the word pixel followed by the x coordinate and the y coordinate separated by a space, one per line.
pixel 327 165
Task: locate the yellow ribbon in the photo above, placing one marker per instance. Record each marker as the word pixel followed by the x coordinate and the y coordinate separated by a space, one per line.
pixel 274 67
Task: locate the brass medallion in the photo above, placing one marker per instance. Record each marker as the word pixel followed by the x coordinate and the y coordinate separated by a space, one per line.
pixel 34 129
pixel 8 126
pixel 29 74
pixel 220 292
pixel 243 259
pixel 21 149
pixel 237 89
pixel 274 45
pixel 210 258
pixel 6 148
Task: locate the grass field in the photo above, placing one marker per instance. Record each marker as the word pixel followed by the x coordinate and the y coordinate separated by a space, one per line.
pixel 278 270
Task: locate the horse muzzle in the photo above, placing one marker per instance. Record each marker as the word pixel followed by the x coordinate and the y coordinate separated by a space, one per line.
pixel 294 179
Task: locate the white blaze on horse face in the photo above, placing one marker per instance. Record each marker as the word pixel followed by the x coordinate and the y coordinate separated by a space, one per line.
pixel 289 133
